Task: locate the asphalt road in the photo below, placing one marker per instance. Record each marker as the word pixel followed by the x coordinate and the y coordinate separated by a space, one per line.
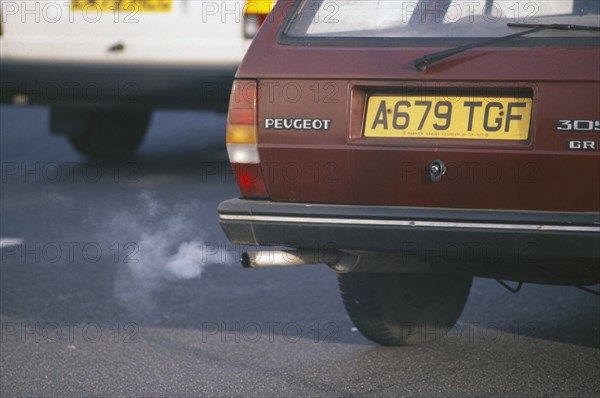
pixel 124 285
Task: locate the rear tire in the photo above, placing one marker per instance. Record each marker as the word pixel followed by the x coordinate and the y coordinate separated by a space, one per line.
pixel 395 309
pixel 111 134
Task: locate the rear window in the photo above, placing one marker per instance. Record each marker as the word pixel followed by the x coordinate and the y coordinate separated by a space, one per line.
pixel 436 19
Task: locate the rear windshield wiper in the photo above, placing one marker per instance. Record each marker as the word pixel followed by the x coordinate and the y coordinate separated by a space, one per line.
pixel 422 63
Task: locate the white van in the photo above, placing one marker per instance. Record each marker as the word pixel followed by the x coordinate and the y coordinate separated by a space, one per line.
pixel 103 65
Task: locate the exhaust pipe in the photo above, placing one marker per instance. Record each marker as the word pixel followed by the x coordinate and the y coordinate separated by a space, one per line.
pixel 338 261
pixel 284 258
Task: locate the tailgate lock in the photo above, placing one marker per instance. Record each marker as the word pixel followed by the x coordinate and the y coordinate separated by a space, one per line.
pixel 437 169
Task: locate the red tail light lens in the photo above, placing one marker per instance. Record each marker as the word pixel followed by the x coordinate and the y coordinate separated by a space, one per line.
pixel 242 139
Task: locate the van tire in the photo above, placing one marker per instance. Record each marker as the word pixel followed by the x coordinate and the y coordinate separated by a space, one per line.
pixel 111 134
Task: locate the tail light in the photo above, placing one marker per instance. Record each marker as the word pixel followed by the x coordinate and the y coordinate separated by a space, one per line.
pixel 255 14
pixel 242 139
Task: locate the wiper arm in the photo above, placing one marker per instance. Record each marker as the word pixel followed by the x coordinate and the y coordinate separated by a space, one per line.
pixel 555 26
pixel 422 63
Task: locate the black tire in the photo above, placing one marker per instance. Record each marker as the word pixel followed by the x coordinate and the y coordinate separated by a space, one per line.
pixel 399 308
pixel 111 134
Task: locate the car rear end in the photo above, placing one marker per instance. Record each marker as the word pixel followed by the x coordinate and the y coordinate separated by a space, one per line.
pixel 98 63
pixel 145 53
pixel 486 163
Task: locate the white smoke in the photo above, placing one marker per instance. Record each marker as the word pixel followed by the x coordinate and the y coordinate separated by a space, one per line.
pixel 184 264
pixel 164 245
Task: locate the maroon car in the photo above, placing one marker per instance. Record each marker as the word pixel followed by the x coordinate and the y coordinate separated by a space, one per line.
pixel 412 145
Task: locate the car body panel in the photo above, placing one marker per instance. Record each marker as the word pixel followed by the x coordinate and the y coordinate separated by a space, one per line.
pixel 189 33
pixel 145 54
pixel 329 162
pixel 332 82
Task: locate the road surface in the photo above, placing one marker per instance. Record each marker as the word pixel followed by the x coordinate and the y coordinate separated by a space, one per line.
pixel 119 282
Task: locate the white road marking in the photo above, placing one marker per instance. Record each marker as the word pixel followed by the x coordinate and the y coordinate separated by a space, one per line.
pixel 10 242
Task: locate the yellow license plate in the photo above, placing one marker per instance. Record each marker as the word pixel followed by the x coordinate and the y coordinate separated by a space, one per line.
pixel 122 5
pixel 478 118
